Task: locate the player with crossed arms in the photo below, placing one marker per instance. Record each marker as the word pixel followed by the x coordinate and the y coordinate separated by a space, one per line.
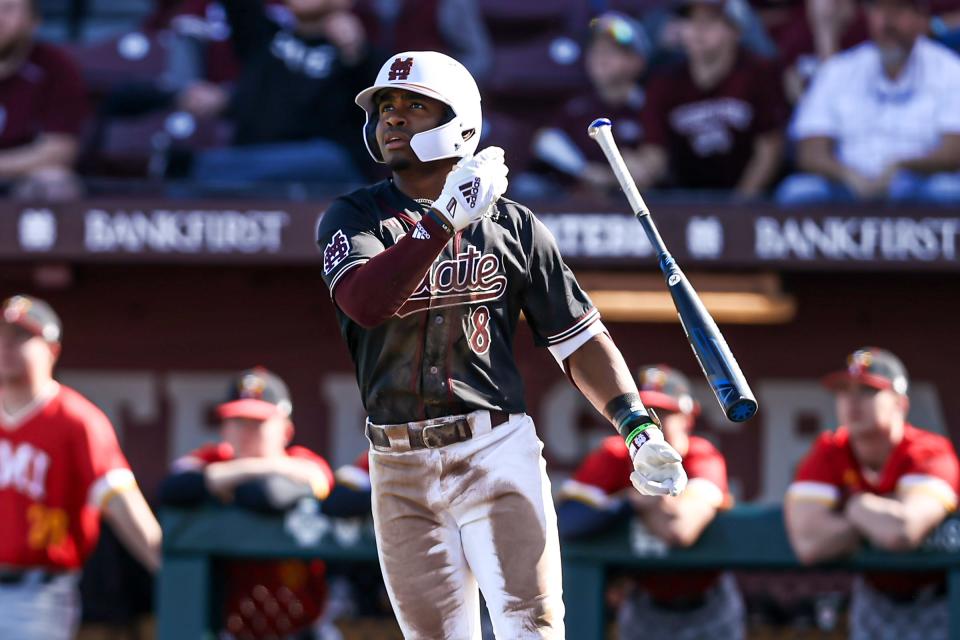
pixel 429 271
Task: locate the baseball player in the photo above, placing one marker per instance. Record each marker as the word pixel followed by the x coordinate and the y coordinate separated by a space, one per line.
pixel 878 479
pixel 684 606
pixel 254 467
pixel 429 271
pixel 60 469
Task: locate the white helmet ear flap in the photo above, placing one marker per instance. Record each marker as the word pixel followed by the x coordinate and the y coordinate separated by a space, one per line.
pixel 445 141
pixel 370 137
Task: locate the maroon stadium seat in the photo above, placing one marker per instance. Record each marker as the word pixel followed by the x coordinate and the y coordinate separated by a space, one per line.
pixel 129 57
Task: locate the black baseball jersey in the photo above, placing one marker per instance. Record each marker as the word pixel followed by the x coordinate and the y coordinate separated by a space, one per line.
pixel 449 348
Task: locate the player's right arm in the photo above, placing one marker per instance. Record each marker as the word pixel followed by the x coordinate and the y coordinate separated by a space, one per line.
pixel 817 530
pixel 368 282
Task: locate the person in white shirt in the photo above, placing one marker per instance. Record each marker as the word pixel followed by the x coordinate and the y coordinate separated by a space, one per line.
pixel 882 120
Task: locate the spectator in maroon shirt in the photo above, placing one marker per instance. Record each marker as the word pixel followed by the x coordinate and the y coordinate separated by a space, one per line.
pixel 43 107
pixel 718 122
pixel 616 59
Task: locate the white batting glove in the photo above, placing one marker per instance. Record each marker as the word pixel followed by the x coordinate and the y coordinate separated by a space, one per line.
pixel 657 466
pixel 472 187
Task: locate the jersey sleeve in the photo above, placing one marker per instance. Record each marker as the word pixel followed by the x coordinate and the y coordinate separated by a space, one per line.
pixel 104 470
pixel 347 237
pixel 605 472
pixel 932 468
pixel 819 476
pixel 707 472
pixel 559 312
pixel 322 489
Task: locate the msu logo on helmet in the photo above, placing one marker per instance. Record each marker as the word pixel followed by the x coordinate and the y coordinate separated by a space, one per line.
pixel 400 69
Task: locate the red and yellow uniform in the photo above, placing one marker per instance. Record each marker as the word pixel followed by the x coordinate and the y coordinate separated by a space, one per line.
pixel 60 463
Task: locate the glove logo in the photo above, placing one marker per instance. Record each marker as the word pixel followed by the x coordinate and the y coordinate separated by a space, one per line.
pixel 400 69
pixel 470 191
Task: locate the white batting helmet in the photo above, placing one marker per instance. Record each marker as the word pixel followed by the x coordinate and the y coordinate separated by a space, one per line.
pixel 437 76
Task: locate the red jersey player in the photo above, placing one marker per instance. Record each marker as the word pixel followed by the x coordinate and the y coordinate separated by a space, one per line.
pixel 254 467
pixel 880 479
pixel 665 605
pixel 60 468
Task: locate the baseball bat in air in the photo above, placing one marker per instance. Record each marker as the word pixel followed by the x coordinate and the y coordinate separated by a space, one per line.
pixel 717 362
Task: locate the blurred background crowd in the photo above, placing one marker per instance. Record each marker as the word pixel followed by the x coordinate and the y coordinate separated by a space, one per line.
pixel 798 100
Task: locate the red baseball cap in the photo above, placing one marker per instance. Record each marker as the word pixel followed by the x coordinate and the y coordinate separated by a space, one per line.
pixel 34 315
pixel 258 394
pixel 872 367
pixel 665 388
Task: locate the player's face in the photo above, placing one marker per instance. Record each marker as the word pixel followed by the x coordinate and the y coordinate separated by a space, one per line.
pixel 870 413
pixel 23 355
pixel 705 33
pixel 402 114
pixel 610 65
pixel 676 429
pixel 16 24
pixel 253 438
pixel 894 27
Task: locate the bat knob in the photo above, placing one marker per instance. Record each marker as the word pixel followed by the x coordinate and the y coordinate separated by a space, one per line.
pixel 742 410
pixel 594 127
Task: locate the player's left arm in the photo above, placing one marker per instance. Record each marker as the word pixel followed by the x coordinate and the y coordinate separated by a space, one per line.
pixel 944 158
pixel 598 369
pixel 564 319
pixel 923 497
pixel 132 520
pixel 895 524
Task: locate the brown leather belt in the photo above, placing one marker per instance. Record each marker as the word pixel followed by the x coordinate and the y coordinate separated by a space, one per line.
pixel 431 436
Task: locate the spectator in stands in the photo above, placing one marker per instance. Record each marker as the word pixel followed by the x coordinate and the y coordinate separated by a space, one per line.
pixel 881 480
pixel 881 121
pixel 454 27
pixel 292 105
pixel 43 107
pixel 664 605
pixel 254 467
pixel 718 122
pixel 661 20
pixel 616 59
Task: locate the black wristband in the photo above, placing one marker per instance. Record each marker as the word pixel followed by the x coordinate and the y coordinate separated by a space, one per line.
pixel 627 412
pixel 440 220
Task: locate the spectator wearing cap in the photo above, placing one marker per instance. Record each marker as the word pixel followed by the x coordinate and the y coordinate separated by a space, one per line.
pixel 43 108
pixel 292 104
pixel 880 480
pixel 599 496
pixel 62 470
pixel 718 122
pixel 616 59
pixel 254 467
pixel 882 120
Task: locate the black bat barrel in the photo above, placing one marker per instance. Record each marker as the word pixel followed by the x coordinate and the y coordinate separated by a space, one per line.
pixel 719 366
